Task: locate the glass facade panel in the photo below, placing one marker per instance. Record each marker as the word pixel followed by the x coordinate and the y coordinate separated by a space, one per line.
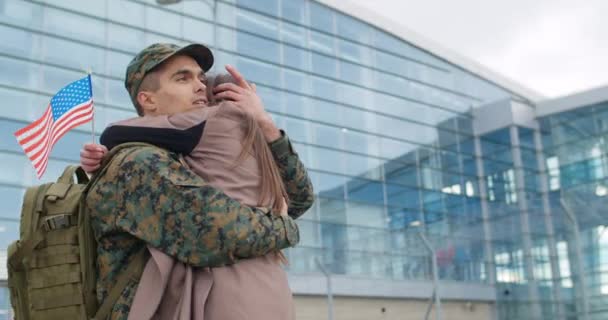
pixel 61 22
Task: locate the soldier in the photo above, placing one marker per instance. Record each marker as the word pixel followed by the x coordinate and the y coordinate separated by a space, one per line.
pixel 150 198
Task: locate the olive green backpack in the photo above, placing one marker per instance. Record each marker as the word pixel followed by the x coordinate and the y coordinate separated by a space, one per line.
pixel 51 269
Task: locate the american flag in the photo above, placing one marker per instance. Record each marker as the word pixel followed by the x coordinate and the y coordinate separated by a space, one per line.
pixel 69 108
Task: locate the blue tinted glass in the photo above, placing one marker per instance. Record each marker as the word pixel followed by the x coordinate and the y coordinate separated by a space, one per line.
pixel 391 84
pixel 63 23
pixel 432 218
pixel 465 125
pixel 353 73
pixel 18 42
pixel 117 63
pixel 294 11
pixel 257 24
pixel 497 151
pixel 107 115
pixel 321 18
pixel 327 136
pixel 171 24
pixel 531 180
pixel 330 186
pixel 296 58
pixel 502 136
pixel 309 233
pixel 353 29
pixel 357 119
pixel 361 143
pixel 267 6
pixel 198 31
pixel 528 158
pixel 7 128
pixel 365 191
pixel 116 94
pixel 17 73
pixel 19 170
pixel 492 167
pixel 321 42
pixel 408 109
pixel 73 55
pixel 526 137
pixel 96 8
pixel 469 167
pixel 153 37
pixel 401 196
pixel 295 105
pixel 125 38
pixel 323 65
pixel 258 48
pixel 295 81
pixel 353 95
pixel 366 167
pixel 474 86
pixel 269 96
pixel 392 148
pixel 199 9
pixel 324 111
pixel 258 72
pixel 324 88
pixel 298 130
pixel 55 78
pixel 390 43
pixel 294 34
pixel 400 129
pixel 68 147
pixel 21 13
pixel 126 12
pixel 356 53
pixel 31 106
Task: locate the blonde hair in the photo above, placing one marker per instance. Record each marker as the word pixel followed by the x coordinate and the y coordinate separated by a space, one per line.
pixel 272 187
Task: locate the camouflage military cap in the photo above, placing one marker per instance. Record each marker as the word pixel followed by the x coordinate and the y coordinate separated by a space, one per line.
pixel 155 54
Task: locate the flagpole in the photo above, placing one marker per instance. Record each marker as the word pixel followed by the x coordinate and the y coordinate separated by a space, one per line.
pixel 90 72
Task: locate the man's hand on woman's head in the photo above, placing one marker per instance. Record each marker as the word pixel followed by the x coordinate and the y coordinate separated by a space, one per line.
pixel 91 155
pixel 244 95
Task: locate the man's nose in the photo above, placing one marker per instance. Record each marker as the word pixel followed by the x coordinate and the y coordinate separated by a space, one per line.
pixel 200 85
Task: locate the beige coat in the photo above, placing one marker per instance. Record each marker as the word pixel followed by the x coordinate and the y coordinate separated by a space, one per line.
pixel 250 289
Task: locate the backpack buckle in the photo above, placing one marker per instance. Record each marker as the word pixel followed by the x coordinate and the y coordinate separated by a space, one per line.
pixel 59 221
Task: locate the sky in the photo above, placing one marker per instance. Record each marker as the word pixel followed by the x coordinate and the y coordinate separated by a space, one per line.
pixel 554 47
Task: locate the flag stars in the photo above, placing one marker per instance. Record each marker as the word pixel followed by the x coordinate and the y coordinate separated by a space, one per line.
pixel 70 96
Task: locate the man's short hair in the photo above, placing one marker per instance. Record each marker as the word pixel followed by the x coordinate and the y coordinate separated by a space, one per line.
pixel 151 82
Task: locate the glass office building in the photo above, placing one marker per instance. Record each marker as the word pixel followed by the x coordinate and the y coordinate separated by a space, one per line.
pixel 401 142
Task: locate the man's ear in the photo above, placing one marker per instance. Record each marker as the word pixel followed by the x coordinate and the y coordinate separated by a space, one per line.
pixel 147 102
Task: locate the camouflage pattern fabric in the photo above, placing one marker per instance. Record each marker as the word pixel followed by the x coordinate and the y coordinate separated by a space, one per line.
pixel 296 180
pixel 151 198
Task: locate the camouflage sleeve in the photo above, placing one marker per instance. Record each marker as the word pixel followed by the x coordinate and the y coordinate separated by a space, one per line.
pixel 296 179
pixel 172 209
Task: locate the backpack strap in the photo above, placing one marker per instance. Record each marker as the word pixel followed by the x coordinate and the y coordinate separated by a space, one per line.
pixel 68 175
pixel 136 266
pixel 132 273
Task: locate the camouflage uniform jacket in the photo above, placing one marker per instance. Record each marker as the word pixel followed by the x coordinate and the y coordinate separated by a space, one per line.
pixel 151 198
